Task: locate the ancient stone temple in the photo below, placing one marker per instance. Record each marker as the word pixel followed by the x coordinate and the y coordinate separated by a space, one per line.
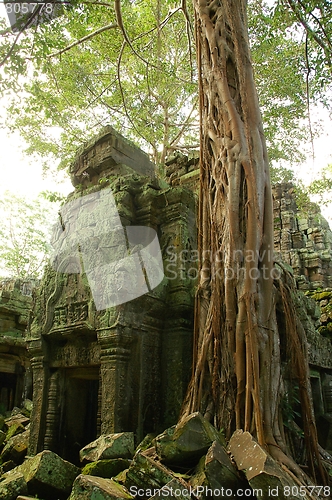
pixel 303 239
pixel 15 374
pixel 122 367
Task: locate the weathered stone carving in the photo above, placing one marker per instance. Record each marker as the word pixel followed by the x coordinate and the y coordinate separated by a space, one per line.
pixel 124 368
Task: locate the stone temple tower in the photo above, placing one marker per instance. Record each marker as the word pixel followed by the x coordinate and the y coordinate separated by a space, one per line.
pixel 124 367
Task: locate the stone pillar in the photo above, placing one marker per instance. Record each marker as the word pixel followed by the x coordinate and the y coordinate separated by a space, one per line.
pixel 40 378
pixel 114 368
pixel 99 406
pixel 52 415
pixel 179 243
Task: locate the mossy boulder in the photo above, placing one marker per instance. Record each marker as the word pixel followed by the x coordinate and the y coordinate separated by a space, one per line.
pixel 14 429
pixel 48 475
pixel 16 448
pixel 118 445
pixel 106 468
pixel 96 488
pixel 12 486
pixel 186 442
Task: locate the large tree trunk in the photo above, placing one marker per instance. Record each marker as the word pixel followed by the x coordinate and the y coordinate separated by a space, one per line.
pixel 236 373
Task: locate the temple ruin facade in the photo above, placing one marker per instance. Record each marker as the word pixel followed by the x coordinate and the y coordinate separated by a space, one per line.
pixel 125 367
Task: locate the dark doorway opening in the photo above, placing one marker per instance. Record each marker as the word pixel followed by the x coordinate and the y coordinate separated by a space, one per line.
pixel 8 383
pixel 79 409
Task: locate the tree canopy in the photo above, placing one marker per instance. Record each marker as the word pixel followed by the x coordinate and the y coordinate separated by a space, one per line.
pixel 132 64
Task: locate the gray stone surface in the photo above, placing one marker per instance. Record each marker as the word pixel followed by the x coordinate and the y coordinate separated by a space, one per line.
pixel 12 486
pixel 262 472
pixel 49 475
pixel 186 442
pixel 96 488
pixel 117 445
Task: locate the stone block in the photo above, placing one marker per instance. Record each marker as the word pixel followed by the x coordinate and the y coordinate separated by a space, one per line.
pixel 14 429
pixel 12 486
pixel 264 474
pixel 16 448
pixel 220 471
pixel 118 445
pixel 17 418
pixel 145 472
pixel 106 468
pixel 176 488
pixel 187 441
pixel 49 475
pixel 91 487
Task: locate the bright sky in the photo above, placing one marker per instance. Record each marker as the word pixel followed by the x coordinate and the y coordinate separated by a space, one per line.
pixel 22 174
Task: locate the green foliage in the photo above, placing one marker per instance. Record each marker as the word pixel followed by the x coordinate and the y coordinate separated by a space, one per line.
pixel 321 188
pixel 148 89
pixel 24 235
pixel 281 175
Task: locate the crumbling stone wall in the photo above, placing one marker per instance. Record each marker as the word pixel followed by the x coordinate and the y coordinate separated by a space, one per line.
pixel 15 376
pixel 302 239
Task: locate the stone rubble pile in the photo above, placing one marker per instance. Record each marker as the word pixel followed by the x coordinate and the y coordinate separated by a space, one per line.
pixel 187 461
pixel 14 436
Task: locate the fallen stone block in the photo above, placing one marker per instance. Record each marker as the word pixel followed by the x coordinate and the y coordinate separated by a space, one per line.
pixel 106 468
pixel 186 442
pixel 16 448
pixel 220 472
pixel 174 489
pixel 91 487
pixel 145 472
pixel 198 481
pixel 28 405
pixel 18 418
pixel 119 445
pixel 12 486
pixel 14 429
pixel 264 475
pixel 48 475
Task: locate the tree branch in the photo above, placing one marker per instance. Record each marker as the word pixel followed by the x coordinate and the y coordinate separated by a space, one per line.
pixel 309 30
pixel 84 39
pixel 118 13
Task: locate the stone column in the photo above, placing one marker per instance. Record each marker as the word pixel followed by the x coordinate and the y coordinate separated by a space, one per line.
pixel 40 378
pixel 179 243
pixel 114 368
pixel 52 415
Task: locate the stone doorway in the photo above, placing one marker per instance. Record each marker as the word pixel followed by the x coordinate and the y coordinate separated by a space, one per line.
pixel 78 419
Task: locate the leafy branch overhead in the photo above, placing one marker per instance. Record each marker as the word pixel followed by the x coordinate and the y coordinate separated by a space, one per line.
pixel 132 64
